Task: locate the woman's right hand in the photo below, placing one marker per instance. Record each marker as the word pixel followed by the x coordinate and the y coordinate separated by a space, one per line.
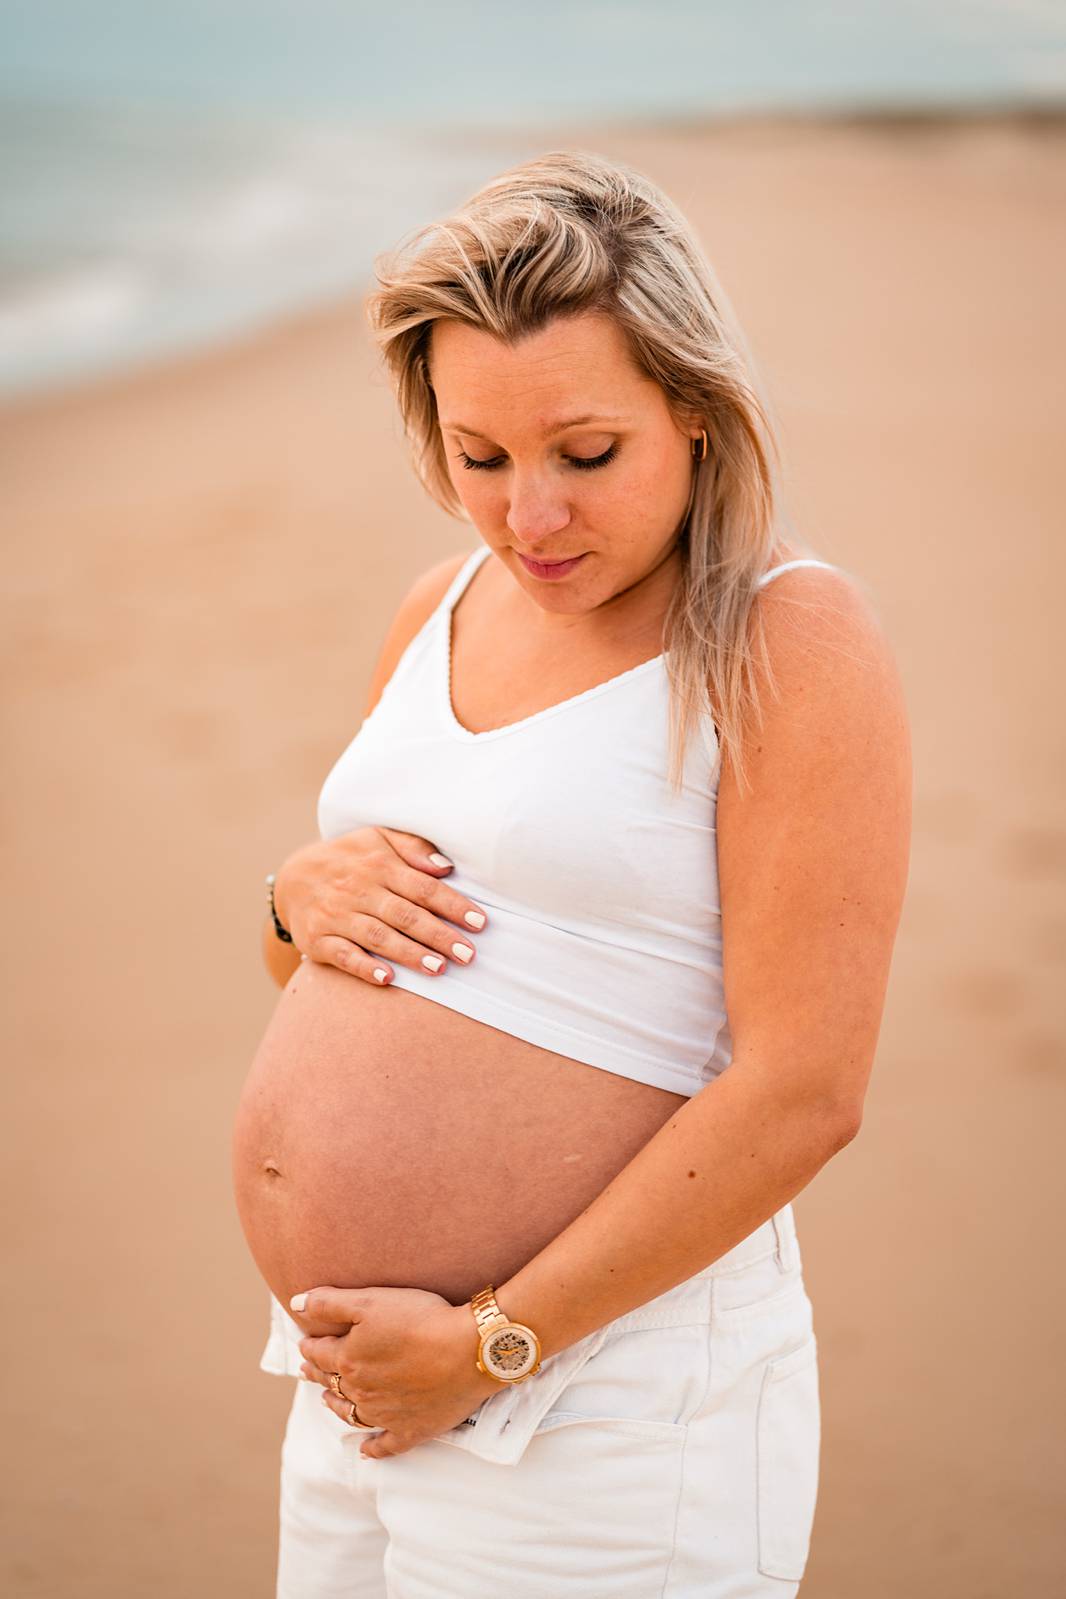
pixel 373 896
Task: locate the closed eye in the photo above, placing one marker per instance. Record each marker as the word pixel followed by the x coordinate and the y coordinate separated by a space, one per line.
pixel 584 464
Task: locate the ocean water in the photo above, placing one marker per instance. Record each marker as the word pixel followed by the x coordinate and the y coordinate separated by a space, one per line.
pixel 132 232
pixel 173 174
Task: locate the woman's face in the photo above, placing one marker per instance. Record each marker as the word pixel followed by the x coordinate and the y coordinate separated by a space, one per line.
pixel 559 447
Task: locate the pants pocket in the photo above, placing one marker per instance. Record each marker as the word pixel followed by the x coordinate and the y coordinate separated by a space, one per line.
pixel 507 1420
pixel 652 1379
pixel 641 1383
pixel 788 1440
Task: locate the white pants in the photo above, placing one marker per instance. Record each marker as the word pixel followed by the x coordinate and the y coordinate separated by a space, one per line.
pixel 672 1454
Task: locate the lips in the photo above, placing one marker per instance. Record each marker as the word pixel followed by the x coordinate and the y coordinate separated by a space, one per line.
pixel 551 569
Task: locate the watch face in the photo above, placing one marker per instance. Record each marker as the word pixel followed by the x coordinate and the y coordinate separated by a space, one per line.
pixel 509 1352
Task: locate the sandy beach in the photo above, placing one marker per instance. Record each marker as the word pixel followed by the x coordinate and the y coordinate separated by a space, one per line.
pixel 201 561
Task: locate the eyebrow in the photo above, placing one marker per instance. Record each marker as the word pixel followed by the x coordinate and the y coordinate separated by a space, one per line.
pixel 558 427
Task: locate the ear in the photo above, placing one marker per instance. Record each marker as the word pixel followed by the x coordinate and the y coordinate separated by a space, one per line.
pixel 690 422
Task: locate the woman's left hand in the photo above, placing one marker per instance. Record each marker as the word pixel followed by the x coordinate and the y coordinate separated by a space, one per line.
pixel 408 1361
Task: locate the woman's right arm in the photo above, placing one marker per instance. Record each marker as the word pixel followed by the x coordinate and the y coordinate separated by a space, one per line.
pixel 371 859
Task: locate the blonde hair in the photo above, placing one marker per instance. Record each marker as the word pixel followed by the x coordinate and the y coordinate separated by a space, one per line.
pixel 571 231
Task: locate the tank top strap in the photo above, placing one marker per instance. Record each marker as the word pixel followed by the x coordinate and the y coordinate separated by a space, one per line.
pixel 453 593
pixel 787 566
pixel 474 560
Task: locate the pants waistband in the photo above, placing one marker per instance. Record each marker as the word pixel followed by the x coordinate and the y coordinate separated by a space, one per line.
pixel 775 1238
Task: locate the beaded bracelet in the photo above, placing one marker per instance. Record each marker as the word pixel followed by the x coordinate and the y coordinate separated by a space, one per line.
pixel 282 932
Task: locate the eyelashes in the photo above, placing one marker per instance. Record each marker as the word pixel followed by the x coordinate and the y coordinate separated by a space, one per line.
pixel 589 465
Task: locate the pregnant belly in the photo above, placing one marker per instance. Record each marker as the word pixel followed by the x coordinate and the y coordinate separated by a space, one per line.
pixel 383 1139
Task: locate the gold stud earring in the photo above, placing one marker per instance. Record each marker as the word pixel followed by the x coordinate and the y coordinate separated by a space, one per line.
pixel 699 446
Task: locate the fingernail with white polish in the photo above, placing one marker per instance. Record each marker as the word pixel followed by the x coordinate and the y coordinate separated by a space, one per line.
pixel 462 952
pixel 433 963
pixel 474 919
pixel 380 974
pixel 298 1302
pixel 440 860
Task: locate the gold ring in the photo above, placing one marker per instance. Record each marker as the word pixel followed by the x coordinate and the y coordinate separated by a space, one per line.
pixel 352 1418
pixel 335 1383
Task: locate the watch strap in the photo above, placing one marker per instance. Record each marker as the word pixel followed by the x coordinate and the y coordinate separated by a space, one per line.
pixel 487 1312
pixel 280 931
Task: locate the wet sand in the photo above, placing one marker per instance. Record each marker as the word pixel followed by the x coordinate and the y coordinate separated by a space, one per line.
pixel 201 561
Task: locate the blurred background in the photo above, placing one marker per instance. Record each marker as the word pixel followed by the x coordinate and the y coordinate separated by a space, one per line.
pixel 209 518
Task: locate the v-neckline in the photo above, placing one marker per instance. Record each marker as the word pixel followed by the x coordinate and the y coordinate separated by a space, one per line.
pixel 456 727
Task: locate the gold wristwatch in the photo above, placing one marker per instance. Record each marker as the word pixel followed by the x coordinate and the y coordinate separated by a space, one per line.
pixel 507 1350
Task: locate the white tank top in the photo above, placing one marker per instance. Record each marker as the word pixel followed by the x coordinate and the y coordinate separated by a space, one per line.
pixel 604 936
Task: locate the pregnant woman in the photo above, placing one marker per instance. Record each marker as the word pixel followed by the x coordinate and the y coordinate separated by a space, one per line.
pixel 583 980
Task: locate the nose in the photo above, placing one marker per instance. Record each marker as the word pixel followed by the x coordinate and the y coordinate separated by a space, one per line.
pixel 536 511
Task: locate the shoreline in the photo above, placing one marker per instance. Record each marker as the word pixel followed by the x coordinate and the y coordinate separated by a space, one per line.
pixel 1034 119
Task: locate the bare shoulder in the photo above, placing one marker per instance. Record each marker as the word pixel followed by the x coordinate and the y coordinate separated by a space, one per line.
pixel 832 667
pixel 832 699
pixel 817 614
pixel 414 611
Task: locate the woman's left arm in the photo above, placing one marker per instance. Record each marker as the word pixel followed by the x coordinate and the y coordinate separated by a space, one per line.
pixel 812 865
